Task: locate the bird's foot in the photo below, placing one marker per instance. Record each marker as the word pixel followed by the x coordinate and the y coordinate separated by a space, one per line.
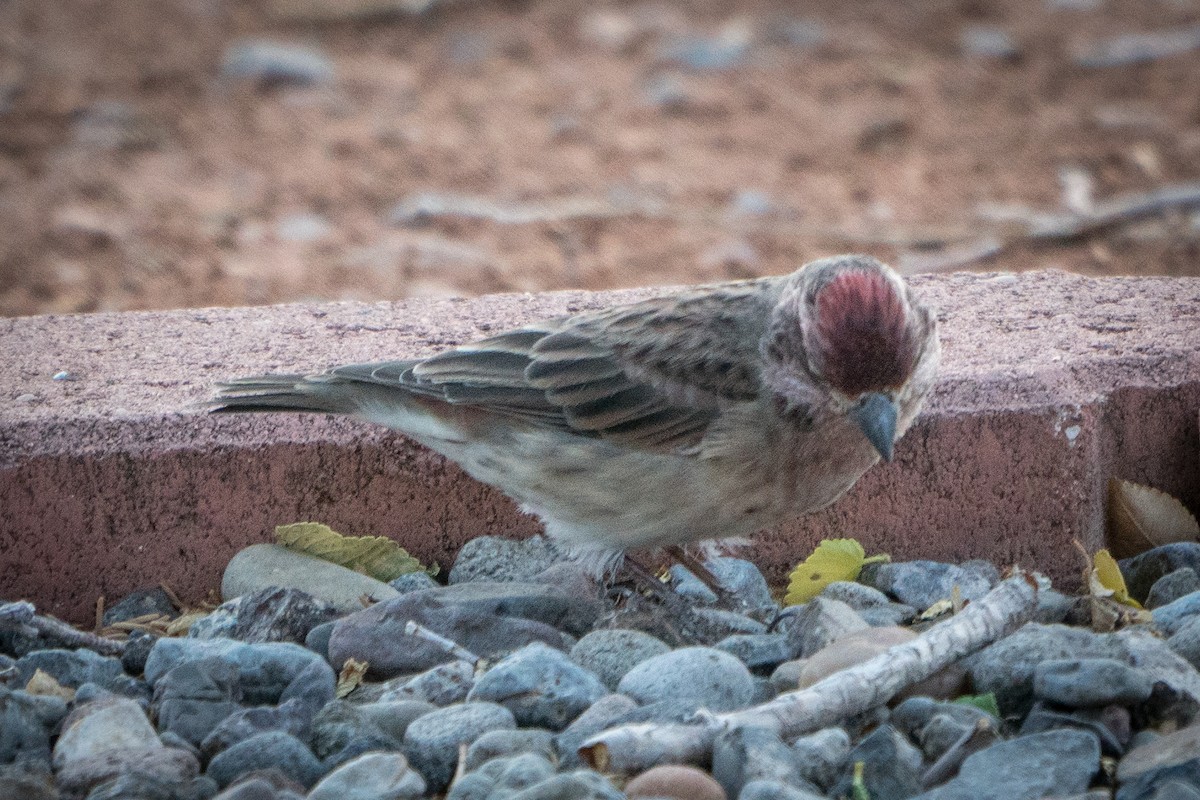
pixel 703 574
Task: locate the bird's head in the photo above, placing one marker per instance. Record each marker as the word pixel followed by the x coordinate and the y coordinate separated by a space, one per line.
pixel 848 333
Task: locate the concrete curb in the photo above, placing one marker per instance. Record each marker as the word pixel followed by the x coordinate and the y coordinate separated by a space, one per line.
pixel 114 477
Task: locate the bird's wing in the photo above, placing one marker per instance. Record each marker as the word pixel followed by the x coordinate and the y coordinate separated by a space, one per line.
pixel 654 374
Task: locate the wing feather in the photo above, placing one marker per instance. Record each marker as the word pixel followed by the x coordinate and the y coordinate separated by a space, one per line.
pixel 600 374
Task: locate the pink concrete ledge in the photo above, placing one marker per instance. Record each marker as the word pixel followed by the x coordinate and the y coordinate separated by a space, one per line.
pixel 115 478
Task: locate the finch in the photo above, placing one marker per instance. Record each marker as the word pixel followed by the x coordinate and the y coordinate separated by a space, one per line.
pixel 710 413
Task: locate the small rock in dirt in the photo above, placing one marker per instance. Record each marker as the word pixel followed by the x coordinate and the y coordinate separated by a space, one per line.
pixel 982 41
pixel 274 64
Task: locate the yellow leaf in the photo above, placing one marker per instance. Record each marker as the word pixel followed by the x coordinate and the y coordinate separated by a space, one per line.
pixel 1141 517
pixel 943 606
pixel 1106 580
pixel 377 556
pixel 833 560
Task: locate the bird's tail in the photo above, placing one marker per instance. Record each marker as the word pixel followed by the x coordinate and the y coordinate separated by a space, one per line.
pixel 321 394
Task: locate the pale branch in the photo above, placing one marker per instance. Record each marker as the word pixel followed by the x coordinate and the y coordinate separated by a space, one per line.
pixel 448 646
pixel 1119 210
pixel 20 616
pixel 854 690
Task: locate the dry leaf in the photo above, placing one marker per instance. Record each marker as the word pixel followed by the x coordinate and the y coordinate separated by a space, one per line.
pixel 181 624
pixel 43 683
pixel 352 674
pixel 1140 517
pixel 377 556
pixel 943 606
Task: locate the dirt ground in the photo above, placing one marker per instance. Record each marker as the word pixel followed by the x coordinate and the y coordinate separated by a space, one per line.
pixel 499 146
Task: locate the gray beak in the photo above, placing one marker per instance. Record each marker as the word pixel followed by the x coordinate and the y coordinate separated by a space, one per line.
pixel 875 415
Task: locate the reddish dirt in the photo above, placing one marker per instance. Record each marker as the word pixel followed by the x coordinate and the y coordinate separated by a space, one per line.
pixel 134 175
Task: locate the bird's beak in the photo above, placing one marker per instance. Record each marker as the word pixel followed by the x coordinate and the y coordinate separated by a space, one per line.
pixel 875 415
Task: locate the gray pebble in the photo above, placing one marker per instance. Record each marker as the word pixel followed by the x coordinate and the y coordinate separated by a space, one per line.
pixel 1110 725
pixel 279 614
pixel 372 776
pixel 502 777
pixel 303 228
pixel 600 715
pixel 495 558
pixel 276 63
pixel 818 622
pixel 412 581
pixel 339 724
pixel 71 668
pixel 1186 641
pixel 922 583
pixel 193 698
pixel 441 685
pixel 377 634
pixel 892 765
pixel 1053 763
pixel 27 721
pixel 317 639
pixel 579 785
pixel 985 41
pixel 742 579
pixel 611 652
pixel 541 686
pixel 292 717
pixel 108 725
pixel 864 598
pixel 1174 615
pixel 692 675
pixel 1007 667
pixel 714 624
pixel 707 53
pixel 821 756
pixel 786 676
pixel 264 671
pixel 139 603
pixel 747 753
pixel 1172 586
pixel 671 94
pixel 394 717
pixel 431 741
pixel 1090 682
pixel 271 750
pixel 1145 569
pixel 262 566
pixel 774 790
pixel 500 744
pixel 1053 606
pixel 758 650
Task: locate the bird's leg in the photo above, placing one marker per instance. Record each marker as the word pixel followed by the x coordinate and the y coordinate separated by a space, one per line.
pixel 702 573
pixel 694 566
pixel 643 576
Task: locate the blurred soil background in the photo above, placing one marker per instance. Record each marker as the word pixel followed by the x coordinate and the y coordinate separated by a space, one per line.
pixel 175 153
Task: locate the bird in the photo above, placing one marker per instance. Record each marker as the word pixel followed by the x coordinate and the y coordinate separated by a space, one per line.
pixel 709 413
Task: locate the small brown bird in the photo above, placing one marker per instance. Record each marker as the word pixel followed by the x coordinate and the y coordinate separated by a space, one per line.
pixel 710 413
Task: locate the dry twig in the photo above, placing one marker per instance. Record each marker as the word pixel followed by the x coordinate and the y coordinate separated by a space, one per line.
pixel 21 616
pixel 633 748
